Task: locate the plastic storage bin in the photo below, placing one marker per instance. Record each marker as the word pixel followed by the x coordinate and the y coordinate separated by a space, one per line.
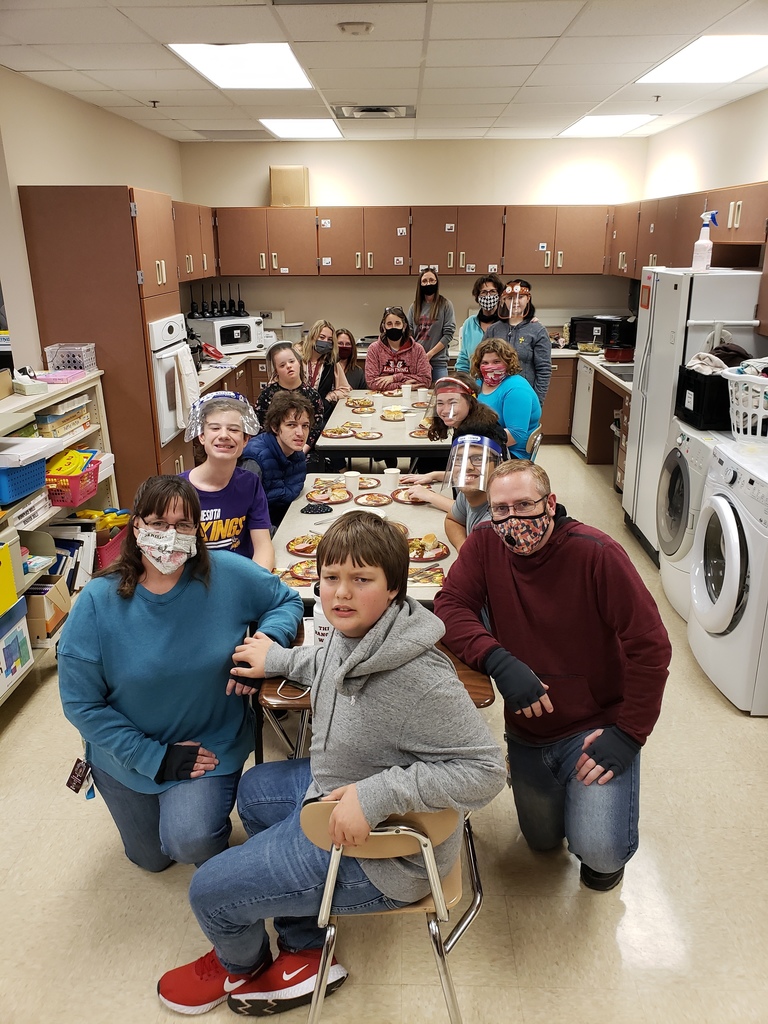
pixel 18 482
pixel 748 405
pixel 107 553
pixel 703 400
pixel 73 490
pixel 71 357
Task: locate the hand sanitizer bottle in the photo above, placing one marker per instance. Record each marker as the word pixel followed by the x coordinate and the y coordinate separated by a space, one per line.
pixel 702 248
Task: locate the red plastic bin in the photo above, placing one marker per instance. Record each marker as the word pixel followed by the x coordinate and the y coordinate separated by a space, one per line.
pixel 107 553
pixel 73 490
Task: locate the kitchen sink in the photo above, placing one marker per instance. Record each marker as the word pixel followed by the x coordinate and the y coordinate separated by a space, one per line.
pixel 623 372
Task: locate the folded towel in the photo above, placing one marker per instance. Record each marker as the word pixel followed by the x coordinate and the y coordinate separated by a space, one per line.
pixel 705 362
pixel 187 385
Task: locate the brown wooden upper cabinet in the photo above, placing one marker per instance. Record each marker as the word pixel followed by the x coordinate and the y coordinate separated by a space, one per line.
pixel 242 238
pixel 480 239
pixel 433 238
pixel 292 237
pixel 387 237
pixel 668 228
pixel 155 242
pixel 554 240
pixel 621 250
pixel 193 231
pixel 741 213
pixel 340 245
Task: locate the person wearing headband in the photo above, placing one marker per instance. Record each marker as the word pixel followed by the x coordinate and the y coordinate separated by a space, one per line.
pixel 486 292
pixel 235 514
pixel 577 649
pixel 530 339
pixel 432 321
pixel 502 387
pixel 353 371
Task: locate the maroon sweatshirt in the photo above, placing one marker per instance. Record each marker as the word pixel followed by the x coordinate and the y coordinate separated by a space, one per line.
pixel 577 613
pixel 409 365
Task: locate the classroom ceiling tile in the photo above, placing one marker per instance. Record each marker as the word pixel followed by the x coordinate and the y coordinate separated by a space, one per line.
pixel 319 22
pixel 73 25
pixel 477 78
pixel 627 17
pixel 29 58
pixel 244 24
pixel 448 54
pixel 106 56
pixel 354 54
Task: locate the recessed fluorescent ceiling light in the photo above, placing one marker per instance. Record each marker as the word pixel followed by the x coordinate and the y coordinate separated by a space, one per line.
pixel 302 127
pixel 245 65
pixel 712 59
pixel 607 125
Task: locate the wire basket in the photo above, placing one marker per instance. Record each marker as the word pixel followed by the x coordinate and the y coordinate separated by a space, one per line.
pixel 749 405
pixel 107 553
pixel 71 357
pixel 74 489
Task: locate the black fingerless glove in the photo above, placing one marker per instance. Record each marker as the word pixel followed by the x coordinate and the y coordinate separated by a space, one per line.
pixel 517 684
pixel 613 750
pixel 178 763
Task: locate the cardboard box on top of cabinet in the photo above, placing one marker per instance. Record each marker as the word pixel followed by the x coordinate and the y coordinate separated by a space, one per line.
pixel 288 185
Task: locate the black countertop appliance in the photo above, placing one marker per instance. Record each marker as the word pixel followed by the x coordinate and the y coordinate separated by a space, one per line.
pixel 607 331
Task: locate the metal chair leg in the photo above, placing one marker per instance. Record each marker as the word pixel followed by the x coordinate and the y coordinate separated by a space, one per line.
pixel 301 735
pixel 324 969
pixel 446 981
pixel 473 909
pixel 282 735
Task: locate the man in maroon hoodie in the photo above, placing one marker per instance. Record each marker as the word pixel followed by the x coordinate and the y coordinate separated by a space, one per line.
pixel 580 655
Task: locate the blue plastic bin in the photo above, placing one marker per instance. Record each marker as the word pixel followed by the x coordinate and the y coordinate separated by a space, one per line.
pixel 18 481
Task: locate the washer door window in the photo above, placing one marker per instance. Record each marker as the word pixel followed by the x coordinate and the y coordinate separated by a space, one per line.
pixel 673 502
pixel 720 569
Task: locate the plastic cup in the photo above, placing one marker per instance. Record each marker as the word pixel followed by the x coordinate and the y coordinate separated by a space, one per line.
pixel 407 389
pixel 391 480
pixel 352 481
pixel 378 402
pixel 423 394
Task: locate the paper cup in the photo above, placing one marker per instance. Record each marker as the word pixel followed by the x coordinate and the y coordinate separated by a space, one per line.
pixel 423 395
pixel 391 480
pixel 407 389
pixel 352 481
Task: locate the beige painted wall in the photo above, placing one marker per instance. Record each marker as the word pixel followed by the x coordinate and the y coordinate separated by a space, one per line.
pixel 421 173
pixel 728 146
pixel 49 137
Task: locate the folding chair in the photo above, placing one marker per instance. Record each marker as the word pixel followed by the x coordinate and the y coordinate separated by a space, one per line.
pixel 533 443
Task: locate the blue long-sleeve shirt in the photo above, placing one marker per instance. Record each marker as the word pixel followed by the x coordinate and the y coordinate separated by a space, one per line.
pixel 141 673
pixel 515 403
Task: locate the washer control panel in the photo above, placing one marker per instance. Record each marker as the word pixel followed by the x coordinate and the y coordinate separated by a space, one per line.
pixel 747 480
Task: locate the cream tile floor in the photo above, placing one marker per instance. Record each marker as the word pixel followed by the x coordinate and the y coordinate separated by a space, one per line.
pixel 85 934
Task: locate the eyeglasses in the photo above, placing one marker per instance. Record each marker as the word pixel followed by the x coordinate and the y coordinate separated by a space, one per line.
pixel 160 526
pixel 477 460
pixel 518 508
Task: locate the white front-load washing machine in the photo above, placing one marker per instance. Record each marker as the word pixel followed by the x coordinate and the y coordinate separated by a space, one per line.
pixel 687 455
pixel 729 576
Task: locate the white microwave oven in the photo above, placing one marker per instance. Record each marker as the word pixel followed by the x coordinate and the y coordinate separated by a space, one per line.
pixel 232 333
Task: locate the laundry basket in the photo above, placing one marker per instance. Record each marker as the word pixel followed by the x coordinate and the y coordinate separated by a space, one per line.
pixel 749 405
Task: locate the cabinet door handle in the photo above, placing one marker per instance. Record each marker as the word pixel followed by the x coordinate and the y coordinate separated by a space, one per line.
pixel 162 263
pixel 547 259
pixel 191 264
pixel 158 272
pixel 274 261
pixel 737 218
pixel 559 257
pixel 181 463
pixel 176 466
pixel 730 214
pixel 450 260
pixel 239 374
pixel 262 261
pixel 462 260
pixel 205 262
pixel 554 367
pixel 370 261
pixel 358 261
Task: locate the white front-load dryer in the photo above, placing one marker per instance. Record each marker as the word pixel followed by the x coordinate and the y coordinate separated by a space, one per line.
pixel 687 455
pixel 729 576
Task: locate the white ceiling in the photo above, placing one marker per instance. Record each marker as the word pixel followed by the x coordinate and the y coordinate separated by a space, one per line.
pixel 472 68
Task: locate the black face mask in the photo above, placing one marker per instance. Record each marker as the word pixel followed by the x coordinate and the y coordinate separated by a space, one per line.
pixel 394 333
pixel 429 289
pixel 487 317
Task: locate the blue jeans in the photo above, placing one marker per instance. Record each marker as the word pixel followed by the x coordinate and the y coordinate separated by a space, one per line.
pixel 188 823
pixel 277 873
pixel 599 823
pixel 439 371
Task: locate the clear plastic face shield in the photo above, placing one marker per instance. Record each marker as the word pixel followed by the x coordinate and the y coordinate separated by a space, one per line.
pixel 514 301
pixel 229 400
pixel 472 460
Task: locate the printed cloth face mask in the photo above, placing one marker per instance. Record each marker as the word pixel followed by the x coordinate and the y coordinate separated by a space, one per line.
pixel 168 550
pixel 488 301
pixel 493 377
pixel 522 534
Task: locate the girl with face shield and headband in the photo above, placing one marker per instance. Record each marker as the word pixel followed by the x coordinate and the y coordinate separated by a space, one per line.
pixel 519 327
pixel 144 662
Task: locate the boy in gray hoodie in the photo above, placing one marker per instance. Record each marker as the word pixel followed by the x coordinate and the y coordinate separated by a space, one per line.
pixel 394 730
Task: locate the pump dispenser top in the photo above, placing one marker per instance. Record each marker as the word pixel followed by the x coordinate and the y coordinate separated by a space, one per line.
pixel 702 248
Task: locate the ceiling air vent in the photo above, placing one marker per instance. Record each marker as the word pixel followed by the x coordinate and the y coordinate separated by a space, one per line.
pixel 370 112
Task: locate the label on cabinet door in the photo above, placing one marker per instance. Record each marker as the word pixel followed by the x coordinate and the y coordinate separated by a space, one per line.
pixel 493 268
pixel 542 246
pixel 326 261
pixel 398 261
pixel 429 266
pixel 325 223
pixel 402 232
pixel 450 227
pixel 470 268
pixel 284 270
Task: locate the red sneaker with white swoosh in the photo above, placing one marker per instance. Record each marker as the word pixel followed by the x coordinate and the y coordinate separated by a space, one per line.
pixel 288 983
pixel 203 984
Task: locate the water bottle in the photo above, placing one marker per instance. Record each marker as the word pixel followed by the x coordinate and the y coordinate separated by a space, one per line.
pixel 321 625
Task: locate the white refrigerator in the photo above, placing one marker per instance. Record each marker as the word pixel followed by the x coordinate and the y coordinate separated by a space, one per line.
pixel 677 313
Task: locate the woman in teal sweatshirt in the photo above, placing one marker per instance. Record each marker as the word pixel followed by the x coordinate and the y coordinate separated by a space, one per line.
pixel 143 667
